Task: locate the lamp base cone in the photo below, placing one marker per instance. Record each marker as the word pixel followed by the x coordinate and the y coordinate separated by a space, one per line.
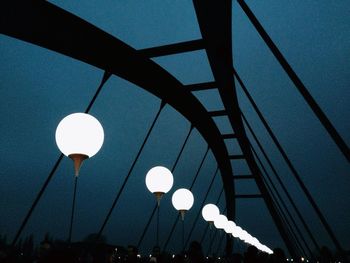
pixel 182 213
pixel 78 159
pixel 158 196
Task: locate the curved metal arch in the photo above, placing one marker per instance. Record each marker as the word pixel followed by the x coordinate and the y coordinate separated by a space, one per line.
pixel 48 26
pixel 215 23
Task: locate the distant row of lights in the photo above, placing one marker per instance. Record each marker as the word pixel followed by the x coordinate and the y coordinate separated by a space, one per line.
pixel 80 136
pixel 211 214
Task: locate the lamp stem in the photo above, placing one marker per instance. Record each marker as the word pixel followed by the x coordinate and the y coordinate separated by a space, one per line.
pixel 78 159
pixel 210 237
pixel 158 207
pixel 73 209
pixel 183 236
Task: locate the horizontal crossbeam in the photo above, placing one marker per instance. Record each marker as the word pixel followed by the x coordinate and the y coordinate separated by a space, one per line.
pixel 229 136
pixel 201 86
pixel 238 177
pixel 251 196
pixel 236 156
pixel 217 113
pixel 172 48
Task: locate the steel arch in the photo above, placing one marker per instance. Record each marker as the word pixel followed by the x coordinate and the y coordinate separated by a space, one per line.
pixel 45 25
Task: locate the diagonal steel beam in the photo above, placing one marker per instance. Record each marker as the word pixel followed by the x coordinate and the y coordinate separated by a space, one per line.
pixel 46 25
pixel 215 23
pixel 322 117
pixel 201 86
pixel 172 49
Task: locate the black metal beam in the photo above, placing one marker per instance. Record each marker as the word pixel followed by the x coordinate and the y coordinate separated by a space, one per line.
pixel 201 206
pixel 284 188
pixel 239 177
pixel 46 25
pixel 229 136
pixel 156 206
pixel 249 196
pixel 278 199
pixel 236 156
pixel 128 175
pixel 105 77
pixel 291 167
pixel 298 84
pixel 178 215
pixel 172 49
pixel 217 113
pixel 215 22
pixel 216 203
pixel 201 86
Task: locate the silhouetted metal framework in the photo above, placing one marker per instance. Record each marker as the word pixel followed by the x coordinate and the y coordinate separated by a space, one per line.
pixel 276 191
pixel 214 15
pixel 46 25
pixel 190 188
pixel 172 170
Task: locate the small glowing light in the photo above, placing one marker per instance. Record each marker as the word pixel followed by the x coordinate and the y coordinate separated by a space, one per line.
pixel 229 227
pixel 209 212
pixel 138 255
pixel 244 235
pixel 79 136
pixel 159 180
pixel 302 259
pixel 79 133
pixel 236 231
pixel 173 256
pixel 182 199
pixel 220 221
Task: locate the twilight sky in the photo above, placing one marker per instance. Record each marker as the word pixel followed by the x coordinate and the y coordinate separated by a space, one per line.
pixel 39 87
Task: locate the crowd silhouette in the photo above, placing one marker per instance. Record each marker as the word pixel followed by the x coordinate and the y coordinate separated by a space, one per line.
pixel 93 250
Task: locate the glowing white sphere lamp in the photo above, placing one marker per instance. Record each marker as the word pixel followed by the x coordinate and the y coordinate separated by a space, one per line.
pixel 255 242
pixel 229 227
pixel 248 239
pixel 182 200
pixel 209 212
pixel 244 235
pixel 236 232
pixel 159 181
pixel 220 221
pixel 79 136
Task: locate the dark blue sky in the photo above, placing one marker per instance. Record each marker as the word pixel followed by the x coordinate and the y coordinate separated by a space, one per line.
pixel 39 87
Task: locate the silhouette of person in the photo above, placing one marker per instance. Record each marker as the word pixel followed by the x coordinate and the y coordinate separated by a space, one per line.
pixel 251 255
pixel 195 253
pixel 278 256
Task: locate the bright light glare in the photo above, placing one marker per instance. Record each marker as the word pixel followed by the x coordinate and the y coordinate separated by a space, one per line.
pixel 182 199
pixel 220 221
pixel 209 212
pixel 229 226
pixel 79 133
pixel 159 179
